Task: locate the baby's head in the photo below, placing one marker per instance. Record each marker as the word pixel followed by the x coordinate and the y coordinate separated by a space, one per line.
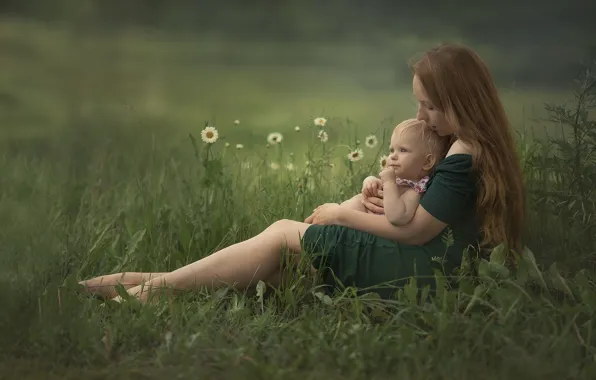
pixel 415 149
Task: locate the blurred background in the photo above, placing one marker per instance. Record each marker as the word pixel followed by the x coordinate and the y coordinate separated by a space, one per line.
pixel 172 66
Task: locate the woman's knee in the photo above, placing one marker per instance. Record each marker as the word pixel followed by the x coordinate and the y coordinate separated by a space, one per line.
pixel 288 232
pixel 281 225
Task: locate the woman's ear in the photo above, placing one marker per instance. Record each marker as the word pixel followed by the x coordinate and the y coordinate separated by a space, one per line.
pixel 430 161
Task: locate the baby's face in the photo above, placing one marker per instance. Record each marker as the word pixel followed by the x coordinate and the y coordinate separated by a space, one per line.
pixel 408 153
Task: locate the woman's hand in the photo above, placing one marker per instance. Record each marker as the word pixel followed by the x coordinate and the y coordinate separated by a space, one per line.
pixel 327 213
pixel 374 204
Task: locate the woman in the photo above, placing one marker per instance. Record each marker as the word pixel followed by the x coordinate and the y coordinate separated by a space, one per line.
pixel 475 197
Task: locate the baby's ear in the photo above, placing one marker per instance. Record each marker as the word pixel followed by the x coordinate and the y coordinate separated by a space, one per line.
pixel 430 161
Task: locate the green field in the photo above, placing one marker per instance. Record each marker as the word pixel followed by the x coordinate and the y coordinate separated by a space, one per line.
pixel 99 175
pixel 177 82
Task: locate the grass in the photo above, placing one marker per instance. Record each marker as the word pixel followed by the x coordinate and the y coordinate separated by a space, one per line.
pixel 89 186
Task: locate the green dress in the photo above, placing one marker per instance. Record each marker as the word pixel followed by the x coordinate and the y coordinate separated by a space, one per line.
pixel 348 257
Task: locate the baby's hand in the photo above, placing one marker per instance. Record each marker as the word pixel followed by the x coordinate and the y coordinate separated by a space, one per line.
pixel 387 175
pixel 371 187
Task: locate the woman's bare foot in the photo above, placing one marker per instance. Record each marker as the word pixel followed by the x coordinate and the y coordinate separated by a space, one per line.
pixel 104 287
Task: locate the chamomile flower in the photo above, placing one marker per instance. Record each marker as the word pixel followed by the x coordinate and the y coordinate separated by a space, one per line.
pixel 274 138
pixel 371 141
pixel 355 155
pixel 323 136
pixel 227 144
pixel 239 146
pixel 236 122
pixel 297 128
pixel 383 161
pixel 320 121
pixel 209 135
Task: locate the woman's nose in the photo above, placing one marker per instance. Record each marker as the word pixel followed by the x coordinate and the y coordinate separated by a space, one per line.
pixel 421 115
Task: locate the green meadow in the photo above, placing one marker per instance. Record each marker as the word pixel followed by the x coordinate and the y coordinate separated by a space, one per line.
pixel 103 170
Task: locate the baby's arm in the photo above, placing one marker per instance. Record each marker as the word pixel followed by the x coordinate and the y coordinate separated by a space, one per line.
pixel 399 209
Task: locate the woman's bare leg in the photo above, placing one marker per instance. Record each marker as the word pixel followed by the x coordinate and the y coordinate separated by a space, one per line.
pixel 105 286
pixel 240 265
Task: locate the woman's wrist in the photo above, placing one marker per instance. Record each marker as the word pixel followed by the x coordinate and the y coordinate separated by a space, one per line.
pixel 339 216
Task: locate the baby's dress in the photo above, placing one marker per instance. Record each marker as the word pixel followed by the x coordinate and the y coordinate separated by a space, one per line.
pixel 419 187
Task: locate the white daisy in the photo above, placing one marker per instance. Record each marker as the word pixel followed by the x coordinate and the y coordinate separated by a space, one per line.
pixel 320 121
pixel 371 141
pixel 274 138
pixel 209 135
pixel 355 155
pixel 236 121
pixel 297 128
pixel 323 136
pixel 239 146
pixel 274 165
pixel 227 144
pixel 383 161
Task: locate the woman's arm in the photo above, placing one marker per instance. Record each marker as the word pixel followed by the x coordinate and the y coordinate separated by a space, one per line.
pixel 422 228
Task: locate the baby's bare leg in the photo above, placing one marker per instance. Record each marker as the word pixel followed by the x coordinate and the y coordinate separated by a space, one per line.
pixel 355 203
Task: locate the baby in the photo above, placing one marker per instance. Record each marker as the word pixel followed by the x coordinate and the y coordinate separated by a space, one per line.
pixel 415 150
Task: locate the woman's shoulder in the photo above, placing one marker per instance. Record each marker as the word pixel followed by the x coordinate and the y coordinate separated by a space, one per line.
pixel 458 159
pixel 459 147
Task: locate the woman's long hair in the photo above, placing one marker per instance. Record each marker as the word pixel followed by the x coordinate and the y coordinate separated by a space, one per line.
pixel 460 84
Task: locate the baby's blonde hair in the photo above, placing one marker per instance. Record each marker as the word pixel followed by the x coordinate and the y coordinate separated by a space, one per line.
pixel 437 145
